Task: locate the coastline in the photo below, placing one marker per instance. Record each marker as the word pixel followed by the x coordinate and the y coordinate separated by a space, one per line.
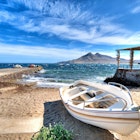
pixel 24 101
pixel 9 74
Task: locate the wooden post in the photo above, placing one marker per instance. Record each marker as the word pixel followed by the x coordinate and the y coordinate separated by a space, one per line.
pixel 118 58
pixel 131 58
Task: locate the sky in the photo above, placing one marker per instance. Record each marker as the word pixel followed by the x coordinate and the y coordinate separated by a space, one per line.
pixel 50 31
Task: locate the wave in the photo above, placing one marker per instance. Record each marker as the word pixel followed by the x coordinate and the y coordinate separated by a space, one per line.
pixel 54 75
pixel 43 82
pixel 42 71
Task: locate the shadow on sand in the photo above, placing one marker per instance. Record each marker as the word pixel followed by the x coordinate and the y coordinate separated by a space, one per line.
pixel 55 112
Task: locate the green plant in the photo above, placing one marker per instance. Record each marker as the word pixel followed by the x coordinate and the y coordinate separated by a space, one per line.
pixel 55 132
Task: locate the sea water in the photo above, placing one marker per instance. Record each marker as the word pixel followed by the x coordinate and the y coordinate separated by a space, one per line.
pixel 56 75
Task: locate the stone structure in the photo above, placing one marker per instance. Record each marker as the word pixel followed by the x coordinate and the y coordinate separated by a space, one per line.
pixel 16 73
pixel 124 76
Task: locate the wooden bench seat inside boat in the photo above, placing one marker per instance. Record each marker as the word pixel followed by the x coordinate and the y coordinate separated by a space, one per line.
pixel 86 97
pixel 76 95
pixel 81 97
pixel 89 101
pixel 90 98
pixel 72 92
pixel 106 102
pixel 103 100
pixel 75 92
pixel 117 105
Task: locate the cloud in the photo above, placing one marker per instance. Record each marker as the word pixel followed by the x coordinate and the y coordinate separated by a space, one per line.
pixel 62 9
pixel 101 32
pixel 135 7
pixel 136 10
pixel 6 16
pixel 50 52
pixel 110 34
pixel 41 52
pixel 69 21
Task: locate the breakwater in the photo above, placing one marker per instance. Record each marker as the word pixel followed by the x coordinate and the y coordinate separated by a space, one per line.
pixel 9 74
pixel 126 77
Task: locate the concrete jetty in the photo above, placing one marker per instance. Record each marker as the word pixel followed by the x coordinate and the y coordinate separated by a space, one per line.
pixel 10 74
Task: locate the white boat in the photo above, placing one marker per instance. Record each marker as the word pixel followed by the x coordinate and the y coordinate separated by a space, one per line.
pixel 108 106
pixel 17 66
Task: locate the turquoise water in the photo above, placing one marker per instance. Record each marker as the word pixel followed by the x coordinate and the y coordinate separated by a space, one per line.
pixel 56 74
pixel 71 72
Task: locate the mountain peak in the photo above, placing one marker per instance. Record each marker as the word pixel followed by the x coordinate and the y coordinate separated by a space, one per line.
pixel 89 54
pixel 97 54
pixel 93 58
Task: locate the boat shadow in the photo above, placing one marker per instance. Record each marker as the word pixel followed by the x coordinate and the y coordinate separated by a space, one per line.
pixel 55 112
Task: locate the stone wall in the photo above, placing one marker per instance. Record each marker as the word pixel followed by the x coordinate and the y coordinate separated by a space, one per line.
pixel 126 77
pixel 7 77
pixel 130 75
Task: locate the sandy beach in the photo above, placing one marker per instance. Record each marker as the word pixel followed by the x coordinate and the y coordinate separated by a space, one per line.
pixel 23 102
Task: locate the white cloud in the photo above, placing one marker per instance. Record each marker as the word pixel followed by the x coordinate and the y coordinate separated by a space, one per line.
pixel 136 10
pixel 118 37
pixel 103 31
pixel 41 52
pixel 70 22
pixel 54 52
pixel 6 16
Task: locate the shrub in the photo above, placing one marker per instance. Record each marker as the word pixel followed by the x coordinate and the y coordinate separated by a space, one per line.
pixel 56 132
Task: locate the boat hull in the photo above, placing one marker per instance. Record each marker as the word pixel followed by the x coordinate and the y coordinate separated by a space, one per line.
pixel 122 126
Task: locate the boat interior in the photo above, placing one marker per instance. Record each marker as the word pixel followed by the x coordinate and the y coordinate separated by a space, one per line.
pixel 84 97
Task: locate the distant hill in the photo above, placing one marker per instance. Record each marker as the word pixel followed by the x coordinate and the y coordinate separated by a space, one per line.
pixel 93 58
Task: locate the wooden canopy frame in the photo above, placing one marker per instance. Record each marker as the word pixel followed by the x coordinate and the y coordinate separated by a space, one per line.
pixel 133 48
pixel 131 55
